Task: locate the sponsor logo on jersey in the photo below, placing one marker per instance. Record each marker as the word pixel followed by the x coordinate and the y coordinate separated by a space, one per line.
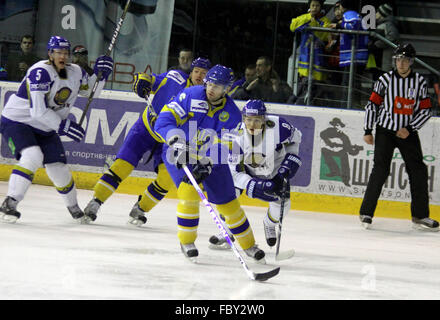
pixel 39 86
pixel 176 76
pixel 177 108
pixel 199 106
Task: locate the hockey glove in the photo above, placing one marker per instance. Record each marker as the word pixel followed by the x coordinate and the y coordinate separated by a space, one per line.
pixel 71 129
pixel 103 64
pixel 200 172
pixel 261 189
pixel 281 186
pixel 289 166
pixel 142 84
pixel 180 151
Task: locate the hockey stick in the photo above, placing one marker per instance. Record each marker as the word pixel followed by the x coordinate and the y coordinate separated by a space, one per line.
pixel 290 253
pixel 252 275
pixel 109 50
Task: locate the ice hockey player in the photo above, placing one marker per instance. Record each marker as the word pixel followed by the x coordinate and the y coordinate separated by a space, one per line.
pixel 141 139
pixel 194 120
pixel 36 116
pixel 268 157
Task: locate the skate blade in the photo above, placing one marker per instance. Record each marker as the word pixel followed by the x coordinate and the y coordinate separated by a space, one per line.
pixel 366 226
pixel 85 220
pixel 285 255
pixel 261 261
pixel 224 246
pixel 7 218
pixel 191 259
pixel 135 222
pixel 421 227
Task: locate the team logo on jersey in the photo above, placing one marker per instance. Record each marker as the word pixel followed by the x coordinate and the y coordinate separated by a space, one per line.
pixel 224 116
pixel 182 96
pixel 62 95
pixel 411 93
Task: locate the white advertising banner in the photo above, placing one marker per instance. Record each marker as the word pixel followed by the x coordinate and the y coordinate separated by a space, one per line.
pixel 335 159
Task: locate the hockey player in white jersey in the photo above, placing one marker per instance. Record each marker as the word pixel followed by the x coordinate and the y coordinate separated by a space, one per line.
pixel 265 155
pixel 36 116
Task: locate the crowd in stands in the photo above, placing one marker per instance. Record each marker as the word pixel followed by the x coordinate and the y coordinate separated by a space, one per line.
pixel 255 35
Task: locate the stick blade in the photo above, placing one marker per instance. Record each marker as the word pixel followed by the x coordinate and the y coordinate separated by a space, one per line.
pixel 285 255
pixel 266 275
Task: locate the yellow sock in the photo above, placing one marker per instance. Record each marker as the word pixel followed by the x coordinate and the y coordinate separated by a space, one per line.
pixel 187 213
pixel 157 190
pixel 238 223
pixel 109 181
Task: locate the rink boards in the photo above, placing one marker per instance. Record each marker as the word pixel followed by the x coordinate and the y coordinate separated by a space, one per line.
pixel 333 177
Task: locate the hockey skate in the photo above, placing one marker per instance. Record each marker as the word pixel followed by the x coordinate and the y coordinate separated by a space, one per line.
pixel 218 241
pixel 91 210
pixel 366 221
pixel 137 216
pixel 190 251
pixel 76 213
pixel 425 224
pixel 270 232
pixel 8 210
pixel 256 253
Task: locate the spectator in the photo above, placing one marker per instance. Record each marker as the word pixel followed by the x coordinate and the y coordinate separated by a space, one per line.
pixel 3 74
pixel 250 73
pixel 267 86
pixel 18 64
pixel 314 18
pixel 185 59
pixel 81 58
pixel 386 25
pixel 332 49
pixel 351 20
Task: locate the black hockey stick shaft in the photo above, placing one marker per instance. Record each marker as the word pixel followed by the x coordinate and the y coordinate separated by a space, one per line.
pixel 280 223
pixel 252 275
pixel 108 52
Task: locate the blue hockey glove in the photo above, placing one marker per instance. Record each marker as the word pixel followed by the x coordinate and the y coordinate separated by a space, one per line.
pixel 71 129
pixel 105 65
pixel 261 189
pixel 142 84
pixel 289 166
pixel 281 186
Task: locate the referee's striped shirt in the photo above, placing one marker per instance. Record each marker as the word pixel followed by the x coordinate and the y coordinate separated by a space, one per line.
pixel 398 102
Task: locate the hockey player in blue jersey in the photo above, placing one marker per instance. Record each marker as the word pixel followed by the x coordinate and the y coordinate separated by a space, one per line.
pixel 141 139
pixel 267 155
pixel 191 126
pixel 35 117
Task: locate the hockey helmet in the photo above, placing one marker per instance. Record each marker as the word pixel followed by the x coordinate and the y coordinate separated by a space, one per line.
pixel 219 75
pixel 254 108
pixel 405 50
pixel 201 63
pixel 57 42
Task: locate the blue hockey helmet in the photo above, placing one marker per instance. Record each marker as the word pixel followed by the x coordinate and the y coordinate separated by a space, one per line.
pixel 57 42
pixel 201 63
pixel 219 74
pixel 254 108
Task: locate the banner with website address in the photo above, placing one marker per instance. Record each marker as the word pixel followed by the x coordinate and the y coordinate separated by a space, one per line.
pixel 336 161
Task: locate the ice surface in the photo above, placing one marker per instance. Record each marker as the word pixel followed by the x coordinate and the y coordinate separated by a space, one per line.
pixel 46 255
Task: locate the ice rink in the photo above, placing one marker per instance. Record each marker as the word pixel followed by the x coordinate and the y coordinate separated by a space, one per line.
pixel 46 255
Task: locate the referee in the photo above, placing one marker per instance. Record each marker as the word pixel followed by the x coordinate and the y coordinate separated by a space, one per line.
pixel 398 107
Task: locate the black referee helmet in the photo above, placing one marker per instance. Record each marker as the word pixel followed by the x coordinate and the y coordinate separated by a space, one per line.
pixel 405 50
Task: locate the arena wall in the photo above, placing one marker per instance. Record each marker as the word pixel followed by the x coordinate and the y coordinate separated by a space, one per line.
pixel 336 161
